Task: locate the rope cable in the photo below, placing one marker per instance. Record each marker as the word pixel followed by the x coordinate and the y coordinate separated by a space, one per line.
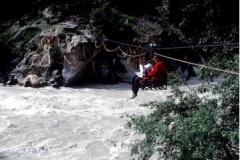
pixel 185 83
pixel 200 46
pixel 214 45
pixel 133 56
pixel 198 64
pixel 99 45
pixel 125 54
pixel 109 49
pixel 123 43
pixel 169 48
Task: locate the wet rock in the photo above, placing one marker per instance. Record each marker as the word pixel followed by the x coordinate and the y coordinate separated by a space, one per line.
pixel 33 81
pixel 15 62
pixel 56 80
pixel 12 80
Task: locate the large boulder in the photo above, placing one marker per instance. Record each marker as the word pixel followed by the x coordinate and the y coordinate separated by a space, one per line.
pixel 34 81
pixel 66 50
pixel 74 58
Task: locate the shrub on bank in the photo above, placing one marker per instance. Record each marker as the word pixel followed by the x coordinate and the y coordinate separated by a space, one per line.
pixel 189 125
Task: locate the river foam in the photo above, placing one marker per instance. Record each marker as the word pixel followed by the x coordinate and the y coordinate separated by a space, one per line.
pixel 80 123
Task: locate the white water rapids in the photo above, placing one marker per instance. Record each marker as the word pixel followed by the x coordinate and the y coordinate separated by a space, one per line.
pixel 81 123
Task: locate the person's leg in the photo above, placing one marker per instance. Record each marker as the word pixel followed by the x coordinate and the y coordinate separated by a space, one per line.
pixel 135 86
pixel 133 81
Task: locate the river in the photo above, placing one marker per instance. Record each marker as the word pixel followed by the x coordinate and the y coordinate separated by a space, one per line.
pixel 79 123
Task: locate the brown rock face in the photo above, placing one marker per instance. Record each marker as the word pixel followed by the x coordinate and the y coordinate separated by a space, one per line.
pixel 33 80
pixel 70 51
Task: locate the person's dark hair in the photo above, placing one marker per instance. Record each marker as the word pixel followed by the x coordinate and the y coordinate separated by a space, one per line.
pixel 146 57
pixel 156 57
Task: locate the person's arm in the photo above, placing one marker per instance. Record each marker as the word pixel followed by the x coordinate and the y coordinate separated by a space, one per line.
pixel 158 70
pixel 151 73
pixel 154 70
pixel 147 68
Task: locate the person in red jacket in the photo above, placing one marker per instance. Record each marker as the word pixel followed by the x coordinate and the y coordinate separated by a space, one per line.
pixel 157 74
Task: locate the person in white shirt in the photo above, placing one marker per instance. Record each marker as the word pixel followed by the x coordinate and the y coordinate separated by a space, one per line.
pixel 145 67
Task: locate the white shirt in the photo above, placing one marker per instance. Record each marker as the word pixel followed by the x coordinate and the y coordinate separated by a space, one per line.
pixel 144 69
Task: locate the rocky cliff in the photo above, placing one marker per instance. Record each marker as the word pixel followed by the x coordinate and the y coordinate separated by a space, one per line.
pixel 67 42
pixel 65 53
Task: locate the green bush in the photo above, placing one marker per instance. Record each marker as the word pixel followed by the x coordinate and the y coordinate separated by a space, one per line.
pixel 187 127
pixel 175 78
pixel 219 61
pixel 5 36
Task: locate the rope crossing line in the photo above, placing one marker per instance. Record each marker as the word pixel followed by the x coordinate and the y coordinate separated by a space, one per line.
pixel 195 64
pixel 126 44
pixel 99 45
pixel 200 46
pixel 133 56
pixel 119 48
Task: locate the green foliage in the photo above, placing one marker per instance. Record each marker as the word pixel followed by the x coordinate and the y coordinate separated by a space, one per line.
pixel 101 11
pixel 175 78
pixel 104 16
pixel 150 28
pixel 200 23
pixel 35 21
pixel 29 34
pixel 5 36
pixel 189 127
pixel 108 21
pixel 141 32
pixel 204 21
pixel 61 36
pixel 5 56
pixel 220 61
pixel 129 20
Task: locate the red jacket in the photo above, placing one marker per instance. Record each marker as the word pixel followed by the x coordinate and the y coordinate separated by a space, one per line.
pixel 158 73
